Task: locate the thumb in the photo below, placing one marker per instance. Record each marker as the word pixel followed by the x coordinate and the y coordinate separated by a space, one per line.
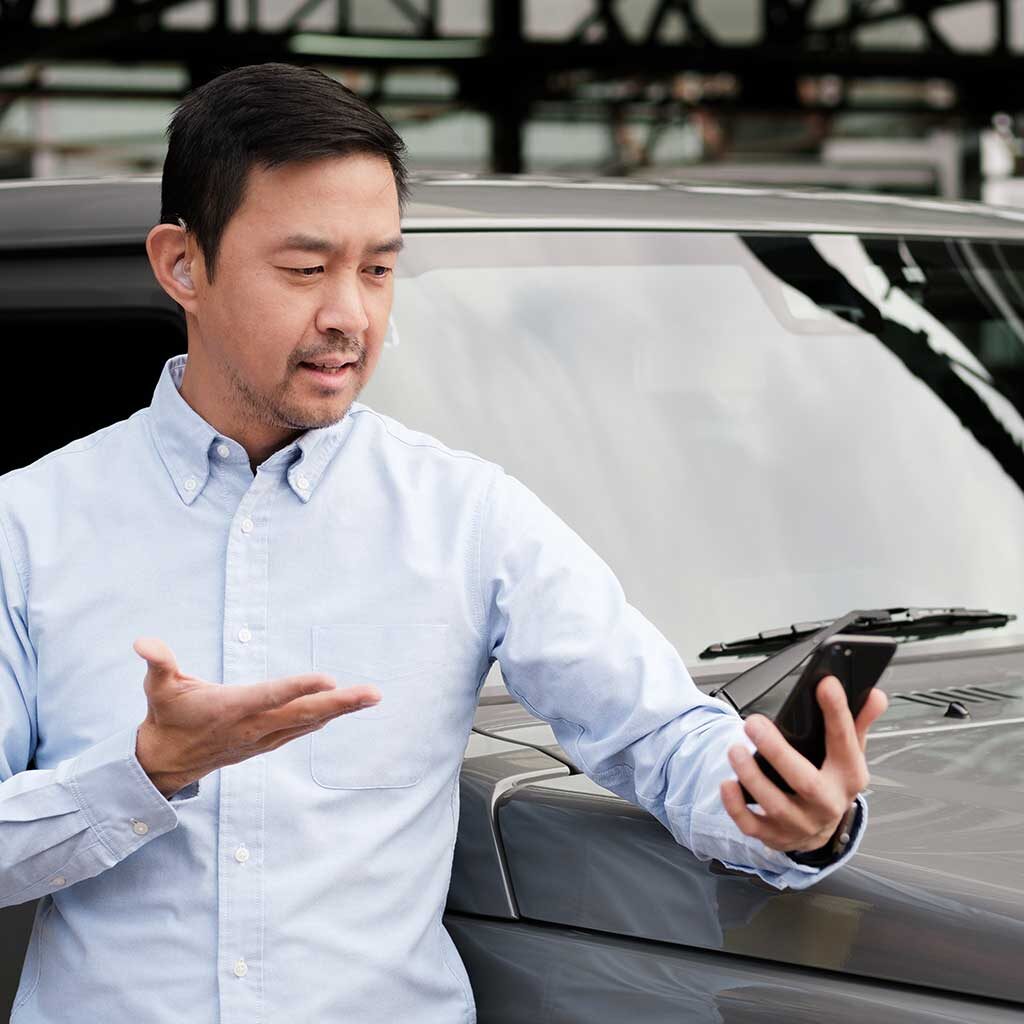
pixel 160 658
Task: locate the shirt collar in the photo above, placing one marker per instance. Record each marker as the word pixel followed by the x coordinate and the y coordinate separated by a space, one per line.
pixel 187 443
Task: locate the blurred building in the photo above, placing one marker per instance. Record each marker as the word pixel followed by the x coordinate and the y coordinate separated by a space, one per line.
pixel 890 95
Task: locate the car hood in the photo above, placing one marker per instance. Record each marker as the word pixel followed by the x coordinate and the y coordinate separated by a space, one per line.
pixel 934 895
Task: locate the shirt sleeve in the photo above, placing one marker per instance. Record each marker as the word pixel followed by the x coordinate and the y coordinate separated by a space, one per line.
pixel 63 824
pixel 617 694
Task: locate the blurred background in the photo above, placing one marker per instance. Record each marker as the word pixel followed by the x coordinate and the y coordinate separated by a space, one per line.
pixel 922 97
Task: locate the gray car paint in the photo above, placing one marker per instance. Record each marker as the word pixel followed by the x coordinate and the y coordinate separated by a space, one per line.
pixel 934 897
pixel 491 769
pixel 525 972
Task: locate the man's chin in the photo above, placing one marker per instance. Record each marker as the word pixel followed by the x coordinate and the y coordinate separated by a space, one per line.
pixel 310 409
pixel 306 418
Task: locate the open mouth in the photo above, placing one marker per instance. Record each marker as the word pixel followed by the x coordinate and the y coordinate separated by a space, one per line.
pixel 326 374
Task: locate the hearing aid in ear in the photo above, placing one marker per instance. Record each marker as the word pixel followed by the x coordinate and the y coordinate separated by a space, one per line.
pixel 181 275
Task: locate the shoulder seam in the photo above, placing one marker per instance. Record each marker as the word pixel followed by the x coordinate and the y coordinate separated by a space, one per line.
pixel 436 445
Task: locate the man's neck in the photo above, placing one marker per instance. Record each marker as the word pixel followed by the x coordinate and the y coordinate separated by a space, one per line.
pixel 200 390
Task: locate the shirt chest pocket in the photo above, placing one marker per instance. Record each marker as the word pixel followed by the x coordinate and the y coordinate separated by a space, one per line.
pixel 388 745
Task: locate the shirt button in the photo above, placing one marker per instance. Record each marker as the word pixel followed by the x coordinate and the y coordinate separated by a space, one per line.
pixel 59 880
pixel 191 484
pixel 244 635
pixel 140 828
pixel 240 968
pixel 223 451
pixel 241 855
pixel 302 483
pixel 247 525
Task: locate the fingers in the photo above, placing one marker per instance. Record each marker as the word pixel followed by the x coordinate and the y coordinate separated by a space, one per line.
pixel 787 761
pixel 258 697
pixel 277 739
pixel 352 699
pixel 311 708
pixel 760 826
pixel 747 821
pixel 842 745
pixel 874 707
pixel 781 810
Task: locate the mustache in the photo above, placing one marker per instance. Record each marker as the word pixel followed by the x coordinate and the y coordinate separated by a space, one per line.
pixel 355 353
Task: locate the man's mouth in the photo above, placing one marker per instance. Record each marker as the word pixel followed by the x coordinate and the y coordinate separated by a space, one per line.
pixel 330 373
pixel 326 367
pixel 334 364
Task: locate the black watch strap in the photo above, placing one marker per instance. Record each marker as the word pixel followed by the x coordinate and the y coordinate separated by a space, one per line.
pixel 834 848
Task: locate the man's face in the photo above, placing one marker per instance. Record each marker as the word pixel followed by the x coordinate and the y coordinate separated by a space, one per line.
pixel 304 273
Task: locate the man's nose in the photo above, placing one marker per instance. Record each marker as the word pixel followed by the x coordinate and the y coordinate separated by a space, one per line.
pixel 343 309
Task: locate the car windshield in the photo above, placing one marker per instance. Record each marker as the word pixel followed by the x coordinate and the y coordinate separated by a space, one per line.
pixel 750 430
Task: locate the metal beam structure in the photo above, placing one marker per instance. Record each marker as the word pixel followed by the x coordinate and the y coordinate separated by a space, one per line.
pixel 806 57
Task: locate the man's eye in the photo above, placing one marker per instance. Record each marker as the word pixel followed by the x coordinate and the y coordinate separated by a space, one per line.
pixel 306 271
pixel 387 270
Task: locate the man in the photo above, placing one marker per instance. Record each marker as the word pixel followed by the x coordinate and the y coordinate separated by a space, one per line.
pixel 256 523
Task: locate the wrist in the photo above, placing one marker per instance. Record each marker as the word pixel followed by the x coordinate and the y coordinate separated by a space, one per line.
pixel 834 847
pixel 167 782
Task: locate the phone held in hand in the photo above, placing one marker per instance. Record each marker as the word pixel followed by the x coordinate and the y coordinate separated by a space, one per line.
pixel 858 663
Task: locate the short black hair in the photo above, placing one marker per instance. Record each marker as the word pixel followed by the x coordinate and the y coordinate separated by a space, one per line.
pixel 262 115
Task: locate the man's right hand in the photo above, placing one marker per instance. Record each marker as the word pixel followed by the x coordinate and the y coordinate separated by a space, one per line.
pixel 193 727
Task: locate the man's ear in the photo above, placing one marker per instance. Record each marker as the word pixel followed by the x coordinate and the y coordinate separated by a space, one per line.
pixel 171 255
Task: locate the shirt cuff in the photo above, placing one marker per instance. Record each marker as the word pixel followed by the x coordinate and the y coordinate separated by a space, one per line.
pixel 123 807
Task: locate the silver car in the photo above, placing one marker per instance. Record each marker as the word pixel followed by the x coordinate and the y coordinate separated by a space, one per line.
pixel 763 410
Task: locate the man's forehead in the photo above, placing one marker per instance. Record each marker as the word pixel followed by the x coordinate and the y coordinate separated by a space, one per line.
pixel 344 199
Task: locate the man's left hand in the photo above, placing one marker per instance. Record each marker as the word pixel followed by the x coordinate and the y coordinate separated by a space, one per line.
pixel 807 818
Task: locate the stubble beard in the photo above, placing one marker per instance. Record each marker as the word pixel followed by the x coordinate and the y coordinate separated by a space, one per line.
pixel 279 411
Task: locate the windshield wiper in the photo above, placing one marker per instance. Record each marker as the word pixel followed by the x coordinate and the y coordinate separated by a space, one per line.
pixel 916 623
pixel 795 643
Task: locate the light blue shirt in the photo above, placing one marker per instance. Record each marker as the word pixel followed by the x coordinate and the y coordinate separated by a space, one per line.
pixel 307 883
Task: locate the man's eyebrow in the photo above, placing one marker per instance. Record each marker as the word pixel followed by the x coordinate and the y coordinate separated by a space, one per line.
pixel 396 244
pixel 310 243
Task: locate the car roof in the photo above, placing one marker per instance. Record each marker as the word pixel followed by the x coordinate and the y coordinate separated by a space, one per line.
pixel 37 213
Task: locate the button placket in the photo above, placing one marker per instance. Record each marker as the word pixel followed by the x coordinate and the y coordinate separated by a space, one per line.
pixel 242 785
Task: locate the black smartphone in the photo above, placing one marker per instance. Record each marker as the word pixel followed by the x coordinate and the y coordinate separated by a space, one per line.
pixel 857 662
